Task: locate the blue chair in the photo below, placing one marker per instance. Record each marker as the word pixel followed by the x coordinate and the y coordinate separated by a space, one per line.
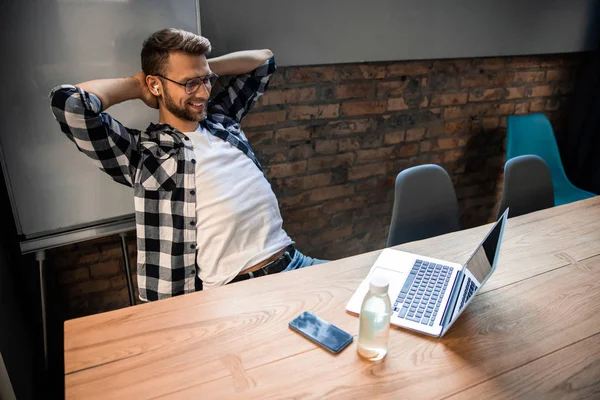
pixel 533 134
pixel 425 205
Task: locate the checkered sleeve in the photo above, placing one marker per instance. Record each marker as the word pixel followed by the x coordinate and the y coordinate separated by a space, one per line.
pixel 242 91
pixel 111 146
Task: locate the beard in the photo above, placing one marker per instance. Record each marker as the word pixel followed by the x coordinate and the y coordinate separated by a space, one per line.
pixel 182 112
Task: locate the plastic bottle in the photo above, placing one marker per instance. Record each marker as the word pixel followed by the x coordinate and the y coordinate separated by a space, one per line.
pixel 375 320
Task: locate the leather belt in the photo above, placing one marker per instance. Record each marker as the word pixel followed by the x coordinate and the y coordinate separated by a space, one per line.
pixel 273 267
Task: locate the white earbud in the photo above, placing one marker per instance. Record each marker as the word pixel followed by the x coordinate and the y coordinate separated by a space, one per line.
pixel 156 89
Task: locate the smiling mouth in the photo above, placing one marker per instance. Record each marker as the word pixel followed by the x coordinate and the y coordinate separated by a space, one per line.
pixel 197 105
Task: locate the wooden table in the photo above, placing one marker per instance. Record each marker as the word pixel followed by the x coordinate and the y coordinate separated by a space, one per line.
pixel 533 331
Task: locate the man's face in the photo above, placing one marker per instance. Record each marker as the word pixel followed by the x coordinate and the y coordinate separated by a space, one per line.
pixel 182 67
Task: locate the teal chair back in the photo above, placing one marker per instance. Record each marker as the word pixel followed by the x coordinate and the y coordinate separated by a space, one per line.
pixel 533 134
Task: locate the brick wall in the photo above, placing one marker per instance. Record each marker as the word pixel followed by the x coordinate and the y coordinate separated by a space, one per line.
pixel 333 139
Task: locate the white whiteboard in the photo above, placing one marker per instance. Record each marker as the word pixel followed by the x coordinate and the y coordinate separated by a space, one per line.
pixel 53 187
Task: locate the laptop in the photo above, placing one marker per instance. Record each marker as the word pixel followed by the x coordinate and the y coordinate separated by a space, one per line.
pixel 429 294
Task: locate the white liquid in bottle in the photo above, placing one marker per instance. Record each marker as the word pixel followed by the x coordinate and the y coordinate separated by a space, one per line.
pixel 375 320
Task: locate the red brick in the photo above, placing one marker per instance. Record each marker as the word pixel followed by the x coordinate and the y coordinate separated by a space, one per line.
pixel 264 118
pixel 407 150
pixel 424 103
pixel 348 126
pixel 291 201
pixel 314 225
pixel 436 130
pixel 455 127
pixel 380 154
pixel 524 62
pixel 516 93
pixel 506 109
pixel 348 203
pixel 490 123
pixel 447 143
pixel 349 144
pixel 364 107
pixel 541 91
pixel 529 76
pixel 339 160
pixel 557 75
pixel 310 74
pixel 553 61
pixel 452 155
pixel 352 90
pixel 288 96
pixel 260 137
pixel 109 268
pixel 118 281
pixel 304 214
pixel 315 112
pixel 326 146
pixel 537 105
pixel 449 99
pixel 317 180
pixel 364 171
pixel 287 169
pixel 277 79
pixel 74 275
pixel 453 112
pixel 521 108
pixel 393 137
pixel 397 104
pixel 87 287
pixel 91 258
pixel 415 134
pixel 408 68
pixel 307 182
pixel 333 234
pixel 292 134
pixel 424 83
pixel 486 95
pixel 492 63
pixel 331 192
pixel 394 88
pixel 490 78
pixel 362 71
pixel 426 146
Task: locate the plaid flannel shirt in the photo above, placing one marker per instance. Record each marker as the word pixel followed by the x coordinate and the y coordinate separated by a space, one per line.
pixel 159 165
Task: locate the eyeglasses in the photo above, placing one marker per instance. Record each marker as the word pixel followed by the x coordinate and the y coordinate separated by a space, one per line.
pixel 193 84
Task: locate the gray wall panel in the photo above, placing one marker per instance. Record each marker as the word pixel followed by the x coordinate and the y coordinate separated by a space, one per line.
pixel 338 31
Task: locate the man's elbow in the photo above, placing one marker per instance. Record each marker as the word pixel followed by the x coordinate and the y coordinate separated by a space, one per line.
pixel 267 54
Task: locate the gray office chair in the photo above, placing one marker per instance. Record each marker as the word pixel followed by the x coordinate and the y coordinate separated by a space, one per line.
pixel 527 186
pixel 425 205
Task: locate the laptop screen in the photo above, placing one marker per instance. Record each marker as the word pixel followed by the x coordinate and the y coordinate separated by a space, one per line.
pixel 480 266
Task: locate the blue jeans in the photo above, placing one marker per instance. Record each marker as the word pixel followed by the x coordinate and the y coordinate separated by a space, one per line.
pixel 301 261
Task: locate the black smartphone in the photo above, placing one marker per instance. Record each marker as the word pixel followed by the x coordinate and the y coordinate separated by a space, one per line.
pixel 321 332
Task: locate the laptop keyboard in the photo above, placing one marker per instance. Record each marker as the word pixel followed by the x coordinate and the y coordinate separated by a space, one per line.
pixel 467 293
pixel 422 293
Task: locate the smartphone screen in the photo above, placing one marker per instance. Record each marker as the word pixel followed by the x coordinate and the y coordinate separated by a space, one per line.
pixel 321 332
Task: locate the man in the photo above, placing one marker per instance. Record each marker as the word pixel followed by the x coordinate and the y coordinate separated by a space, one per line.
pixel 205 214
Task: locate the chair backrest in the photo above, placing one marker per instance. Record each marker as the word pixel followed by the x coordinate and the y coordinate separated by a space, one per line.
pixel 527 186
pixel 533 134
pixel 425 205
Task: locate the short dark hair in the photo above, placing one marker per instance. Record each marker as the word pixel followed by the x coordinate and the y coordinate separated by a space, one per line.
pixel 156 49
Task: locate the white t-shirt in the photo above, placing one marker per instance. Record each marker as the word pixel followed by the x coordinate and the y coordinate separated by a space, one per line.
pixel 237 215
